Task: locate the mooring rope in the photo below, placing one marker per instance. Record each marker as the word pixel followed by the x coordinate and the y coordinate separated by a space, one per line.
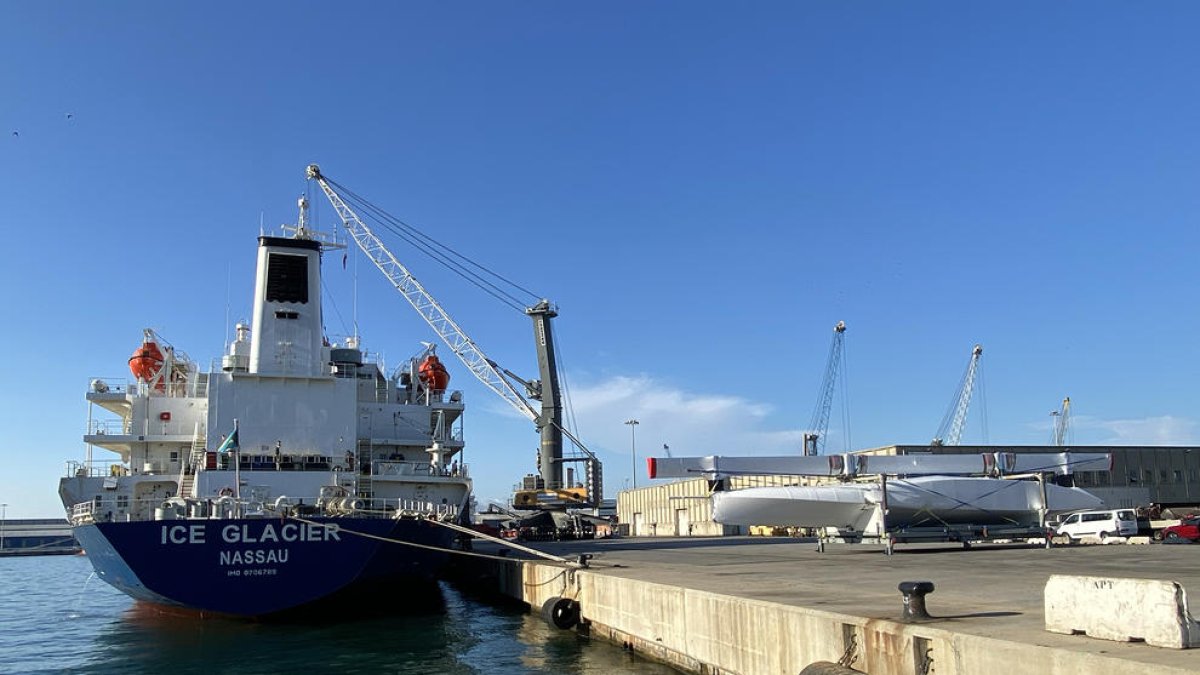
pixel 473 554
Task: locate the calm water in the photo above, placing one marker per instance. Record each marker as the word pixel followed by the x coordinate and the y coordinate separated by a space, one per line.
pixel 55 617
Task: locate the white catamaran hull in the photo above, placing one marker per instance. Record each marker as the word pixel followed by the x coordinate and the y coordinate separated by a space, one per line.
pixel 912 502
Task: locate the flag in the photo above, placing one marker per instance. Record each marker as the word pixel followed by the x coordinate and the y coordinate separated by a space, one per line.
pixel 230 443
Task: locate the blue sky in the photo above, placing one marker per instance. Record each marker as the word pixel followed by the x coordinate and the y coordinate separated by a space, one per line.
pixel 703 188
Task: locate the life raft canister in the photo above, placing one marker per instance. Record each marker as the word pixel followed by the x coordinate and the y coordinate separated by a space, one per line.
pixel 433 374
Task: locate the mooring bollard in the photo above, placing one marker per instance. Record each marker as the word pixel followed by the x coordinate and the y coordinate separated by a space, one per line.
pixel 914 599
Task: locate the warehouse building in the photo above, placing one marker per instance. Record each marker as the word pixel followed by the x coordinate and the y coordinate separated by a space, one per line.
pixel 36 536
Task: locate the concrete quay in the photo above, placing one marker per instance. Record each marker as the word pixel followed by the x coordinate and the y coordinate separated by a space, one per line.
pixel 776 605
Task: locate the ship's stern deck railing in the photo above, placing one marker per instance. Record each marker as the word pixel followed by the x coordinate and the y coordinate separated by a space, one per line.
pixel 108 510
pixel 406 468
pixel 100 468
pixel 196 386
pixel 81 513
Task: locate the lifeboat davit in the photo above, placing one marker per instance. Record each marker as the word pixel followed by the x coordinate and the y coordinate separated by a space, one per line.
pixel 146 361
pixel 433 374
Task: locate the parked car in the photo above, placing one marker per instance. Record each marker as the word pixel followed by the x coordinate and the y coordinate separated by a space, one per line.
pixel 1188 529
pixel 1103 524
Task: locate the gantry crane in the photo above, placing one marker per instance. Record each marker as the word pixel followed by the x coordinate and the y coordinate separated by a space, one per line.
pixel 552 490
pixel 814 438
pixel 951 428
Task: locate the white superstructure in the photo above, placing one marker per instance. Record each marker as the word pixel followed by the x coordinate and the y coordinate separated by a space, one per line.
pixel 317 423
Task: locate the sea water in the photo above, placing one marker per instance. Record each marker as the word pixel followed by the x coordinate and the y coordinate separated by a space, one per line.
pixel 58 617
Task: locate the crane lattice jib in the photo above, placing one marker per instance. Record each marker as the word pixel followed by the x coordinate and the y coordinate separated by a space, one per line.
pixel 1062 422
pixel 429 309
pixel 952 427
pixel 820 419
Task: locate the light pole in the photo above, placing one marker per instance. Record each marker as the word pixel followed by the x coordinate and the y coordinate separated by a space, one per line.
pixel 633 447
pixel 3 513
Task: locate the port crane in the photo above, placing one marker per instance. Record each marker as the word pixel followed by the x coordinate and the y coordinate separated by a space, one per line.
pixel 548 489
pixel 952 425
pixel 814 438
pixel 1062 423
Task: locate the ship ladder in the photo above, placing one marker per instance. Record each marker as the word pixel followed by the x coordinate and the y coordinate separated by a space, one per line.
pixel 187 479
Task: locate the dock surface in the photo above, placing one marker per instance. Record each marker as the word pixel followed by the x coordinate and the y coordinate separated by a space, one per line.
pixel 985 596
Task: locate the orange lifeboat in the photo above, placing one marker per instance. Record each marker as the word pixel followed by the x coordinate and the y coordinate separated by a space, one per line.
pixel 433 374
pixel 146 361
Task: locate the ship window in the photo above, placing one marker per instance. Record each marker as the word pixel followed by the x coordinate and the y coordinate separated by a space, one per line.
pixel 174 456
pixel 1162 475
pixel 285 314
pixel 1148 476
pixel 1133 476
pixel 1177 476
pixel 287 278
pixel 122 501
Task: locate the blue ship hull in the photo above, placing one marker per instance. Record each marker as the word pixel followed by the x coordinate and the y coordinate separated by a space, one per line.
pixel 263 567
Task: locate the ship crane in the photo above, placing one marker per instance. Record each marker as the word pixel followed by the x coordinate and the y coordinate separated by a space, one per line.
pixel 1062 423
pixel 952 425
pixel 814 438
pixel 552 491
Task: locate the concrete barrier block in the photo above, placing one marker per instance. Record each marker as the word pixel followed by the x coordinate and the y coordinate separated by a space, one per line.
pixel 1119 609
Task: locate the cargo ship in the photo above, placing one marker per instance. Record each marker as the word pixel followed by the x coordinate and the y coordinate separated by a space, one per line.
pixel 297 472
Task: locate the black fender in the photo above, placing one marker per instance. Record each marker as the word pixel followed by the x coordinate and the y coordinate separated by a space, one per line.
pixel 561 612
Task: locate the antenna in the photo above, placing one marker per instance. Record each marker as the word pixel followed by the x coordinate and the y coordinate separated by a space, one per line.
pixel 227 275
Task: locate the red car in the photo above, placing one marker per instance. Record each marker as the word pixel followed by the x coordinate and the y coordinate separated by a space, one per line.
pixel 1188 529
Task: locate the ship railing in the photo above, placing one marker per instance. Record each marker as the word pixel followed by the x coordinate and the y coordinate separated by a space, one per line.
pixel 195 386
pixel 81 513
pixel 404 468
pixel 109 385
pixel 387 508
pixel 108 427
pixel 416 507
pixel 107 468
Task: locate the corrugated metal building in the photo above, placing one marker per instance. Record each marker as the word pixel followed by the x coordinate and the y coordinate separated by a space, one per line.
pixel 1164 475
pixel 36 535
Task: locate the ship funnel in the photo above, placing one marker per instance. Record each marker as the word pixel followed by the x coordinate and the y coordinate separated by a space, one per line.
pixel 287 335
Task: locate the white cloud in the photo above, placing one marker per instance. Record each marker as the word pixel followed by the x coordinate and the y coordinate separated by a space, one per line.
pixel 691 423
pixel 1161 430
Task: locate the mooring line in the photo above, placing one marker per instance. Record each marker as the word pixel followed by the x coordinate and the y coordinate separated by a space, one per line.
pixel 475 533
pixel 473 554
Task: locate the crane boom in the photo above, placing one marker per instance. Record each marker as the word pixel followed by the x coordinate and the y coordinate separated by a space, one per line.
pixel 451 333
pixel 549 421
pixel 951 429
pixel 1062 422
pixel 814 440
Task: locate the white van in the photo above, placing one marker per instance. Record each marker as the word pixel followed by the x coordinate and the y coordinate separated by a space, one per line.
pixel 1103 524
